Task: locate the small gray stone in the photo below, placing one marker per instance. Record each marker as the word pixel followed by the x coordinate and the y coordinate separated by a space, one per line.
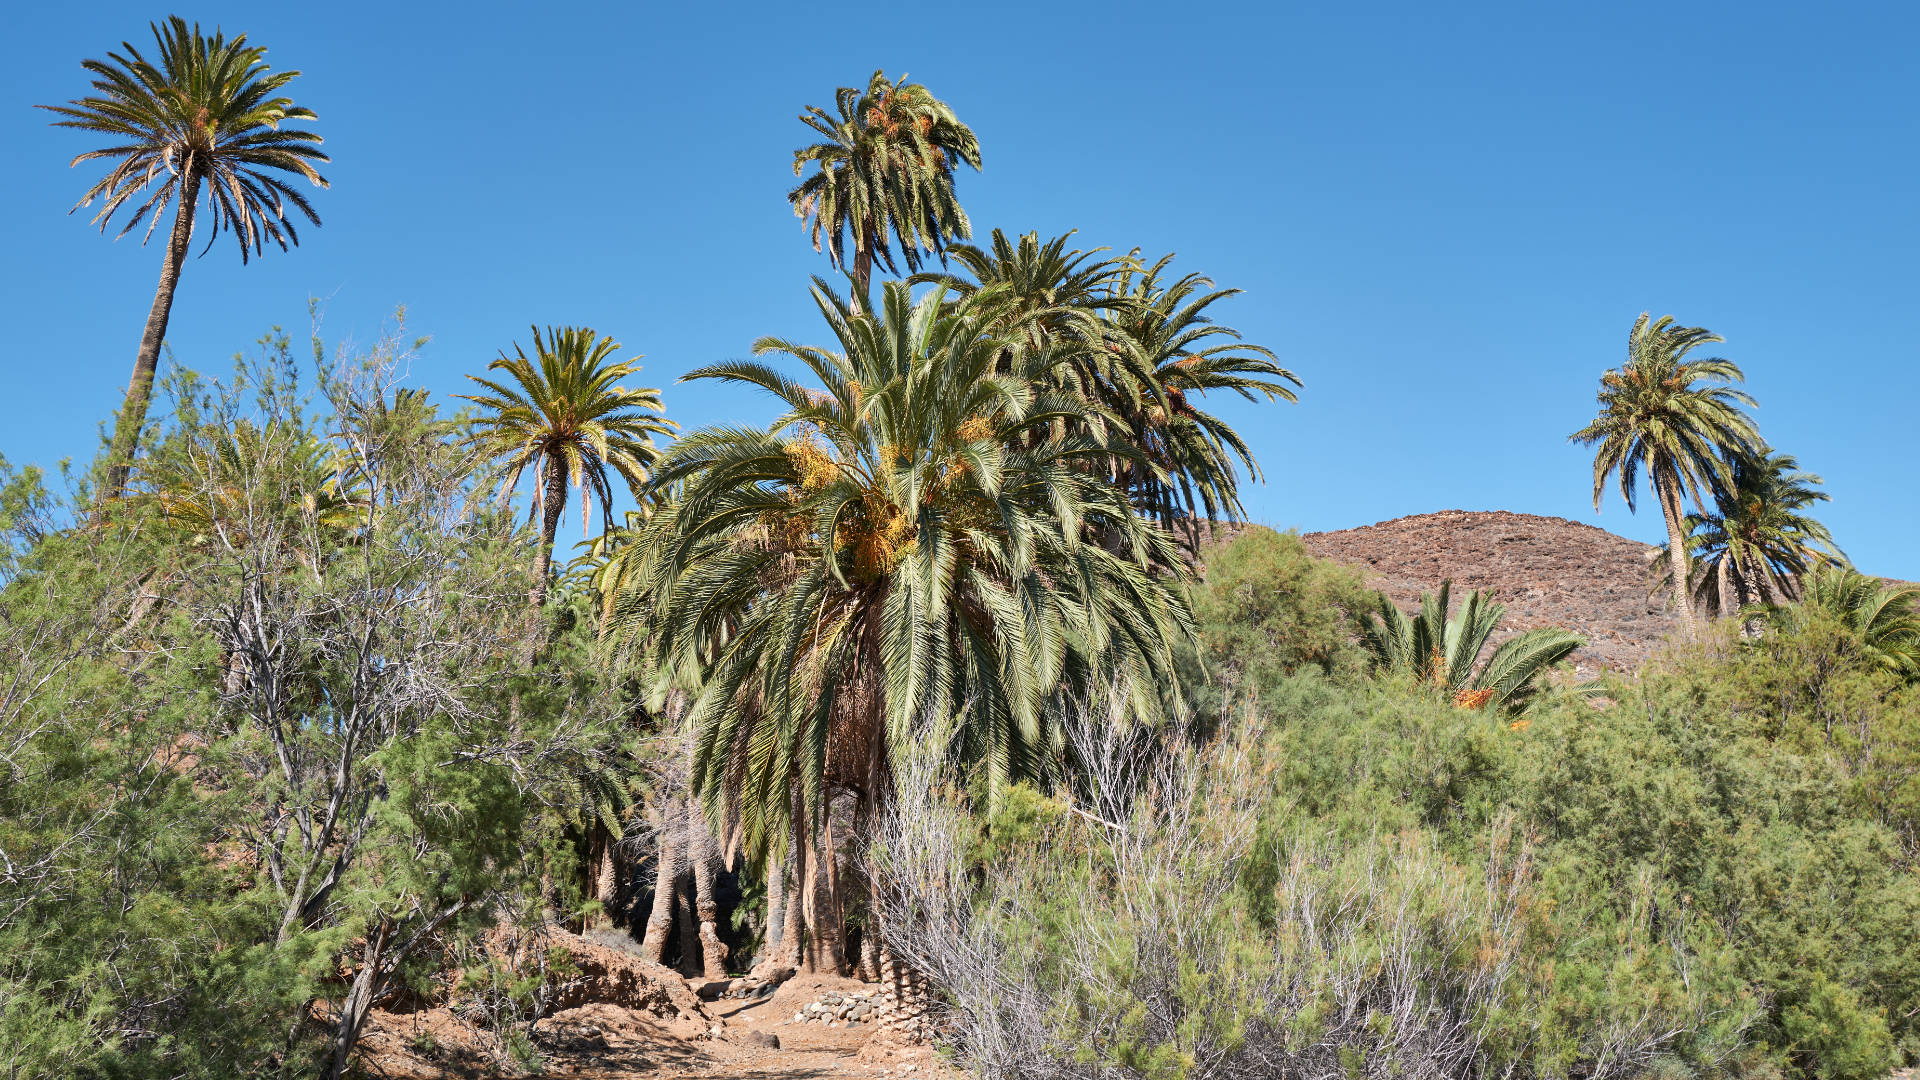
pixel 765 1039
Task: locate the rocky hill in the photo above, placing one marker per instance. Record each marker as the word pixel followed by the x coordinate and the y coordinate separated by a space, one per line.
pixel 1548 571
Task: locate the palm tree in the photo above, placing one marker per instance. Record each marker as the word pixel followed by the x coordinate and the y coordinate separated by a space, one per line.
pixel 1442 652
pixel 203 116
pixel 1882 617
pixel 566 417
pixel 885 166
pixel 1166 333
pixel 1676 418
pixel 1043 295
pixel 904 544
pixel 1758 541
pixel 607 569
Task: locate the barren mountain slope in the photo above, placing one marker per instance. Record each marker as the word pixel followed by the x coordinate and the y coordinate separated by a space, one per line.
pixel 1547 571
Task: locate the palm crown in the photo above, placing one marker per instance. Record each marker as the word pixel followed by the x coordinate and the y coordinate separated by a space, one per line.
pixel 1164 329
pixel 1882 617
pixel 563 414
pixel 1039 294
pixel 1140 350
pixel 206 113
pixel 204 486
pixel 204 110
pixel 1678 418
pixel 1758 541
pixel 904 544
pixel 884 166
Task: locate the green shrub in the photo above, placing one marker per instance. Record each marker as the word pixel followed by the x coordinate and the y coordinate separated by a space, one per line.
pixel 1217 928
pixel 1269 607
pixel 1709 872
pixel 1748 807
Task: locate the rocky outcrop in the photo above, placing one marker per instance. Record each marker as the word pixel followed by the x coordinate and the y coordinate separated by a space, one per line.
pixel 1548 571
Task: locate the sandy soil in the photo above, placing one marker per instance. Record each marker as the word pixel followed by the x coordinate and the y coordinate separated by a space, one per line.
pixel 609 1042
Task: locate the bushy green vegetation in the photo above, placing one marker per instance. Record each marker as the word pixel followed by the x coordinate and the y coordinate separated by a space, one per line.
pixel 1267 608
pixel 296 721
pixel 270 746
pixel 1711 871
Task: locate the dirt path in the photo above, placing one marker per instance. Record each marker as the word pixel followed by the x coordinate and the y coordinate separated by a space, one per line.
pixel 606 1042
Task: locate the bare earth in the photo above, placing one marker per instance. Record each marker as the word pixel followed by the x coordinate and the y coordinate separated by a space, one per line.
pixel 610 1042
pixel 1548 571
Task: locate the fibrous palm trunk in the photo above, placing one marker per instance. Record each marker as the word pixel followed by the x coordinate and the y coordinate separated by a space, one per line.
pixel 705 857
pixel 1749 592
pixel 776 910
pixel 553 502
pixel 670 856
pixel 791 951
pixel 683 917
pixel 863 245
pixel 606 875
pixel 872 956
pixel 826 923
pixel 133 410
pixel 1667 484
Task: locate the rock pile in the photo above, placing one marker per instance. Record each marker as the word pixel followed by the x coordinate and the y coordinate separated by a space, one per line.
pixel 839 1009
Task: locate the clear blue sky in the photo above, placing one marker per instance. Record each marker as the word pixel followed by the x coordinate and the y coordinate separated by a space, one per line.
pixel 1445 217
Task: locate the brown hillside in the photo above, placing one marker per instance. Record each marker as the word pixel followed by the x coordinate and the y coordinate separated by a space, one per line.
pixel 1548 571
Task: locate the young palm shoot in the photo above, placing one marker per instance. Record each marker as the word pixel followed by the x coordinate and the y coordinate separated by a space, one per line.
pixel 1442 652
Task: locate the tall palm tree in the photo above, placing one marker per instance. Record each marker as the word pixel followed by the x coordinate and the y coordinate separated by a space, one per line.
pixel 1165 330
pixel 1675 417
pixel 1883 617
pixel 563 414
pixel 904 544
pixel 884 166
pixel 1757 542
pixel 204 117
pixel 1443 651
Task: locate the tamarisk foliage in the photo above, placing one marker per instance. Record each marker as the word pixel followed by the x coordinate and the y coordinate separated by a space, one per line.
pixel 270 745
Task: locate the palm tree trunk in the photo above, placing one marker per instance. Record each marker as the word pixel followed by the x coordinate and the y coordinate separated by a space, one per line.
pixel 660 920
pixel 606 875
pixel 871 954
pixel 686 920
pixel 862 269
pixel 1748 595
pixel 791 950
pixel 705 858
pixel 1667 483
pixel 133 410
pixel 776 910
pixel 826 923
pixel 553 502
